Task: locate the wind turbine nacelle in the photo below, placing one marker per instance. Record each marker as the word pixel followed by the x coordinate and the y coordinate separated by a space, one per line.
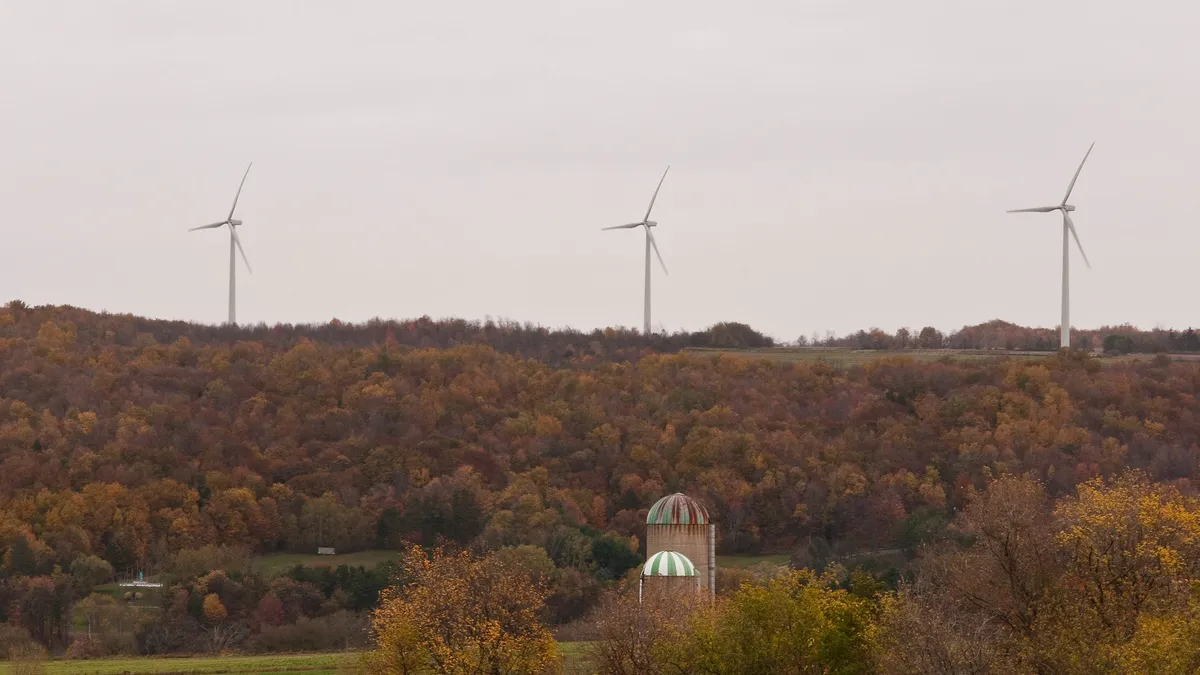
pixel 235 223
pixel 651 223
pixel 1068 207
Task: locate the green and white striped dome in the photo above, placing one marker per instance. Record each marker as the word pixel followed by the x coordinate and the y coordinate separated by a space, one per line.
pixel 668 564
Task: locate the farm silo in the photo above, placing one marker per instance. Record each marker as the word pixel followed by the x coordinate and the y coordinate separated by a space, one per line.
pixel 679 523
pixel 668 572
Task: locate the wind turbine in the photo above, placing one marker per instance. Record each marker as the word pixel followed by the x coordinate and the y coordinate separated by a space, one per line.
pixel 646 224
pixel 1068 226
pixel 233 242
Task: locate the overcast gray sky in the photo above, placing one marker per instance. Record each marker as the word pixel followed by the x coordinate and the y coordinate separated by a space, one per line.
pixel 836 165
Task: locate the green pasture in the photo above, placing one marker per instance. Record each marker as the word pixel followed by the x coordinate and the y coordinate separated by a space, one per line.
pixel 311 664
pixel 574 661
pixel 275 563
pixel 743 561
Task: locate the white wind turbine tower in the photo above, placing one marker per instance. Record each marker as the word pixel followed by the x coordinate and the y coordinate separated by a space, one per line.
pixel 646 224
pixel 1068 226
pixel 233 242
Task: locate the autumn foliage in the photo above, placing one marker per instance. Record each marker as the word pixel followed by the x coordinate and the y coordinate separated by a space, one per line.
pixel 130 449
pixel 128 444
pixel 1103 580
pixel 458 614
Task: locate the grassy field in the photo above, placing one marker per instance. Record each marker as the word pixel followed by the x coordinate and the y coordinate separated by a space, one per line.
pixel 849 357
pixel 310 664
pixel 142 597
pixel 574 663
pixel 278 562
pixel 751 560
pixel 846 357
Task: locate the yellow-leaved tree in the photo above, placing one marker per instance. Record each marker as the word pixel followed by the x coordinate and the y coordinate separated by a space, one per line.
pixel 1104 581
pixel 796 622
pixel 459 614
pixel 1131 550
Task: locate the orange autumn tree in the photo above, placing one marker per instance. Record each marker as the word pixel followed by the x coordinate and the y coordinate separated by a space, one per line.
pixel 459 614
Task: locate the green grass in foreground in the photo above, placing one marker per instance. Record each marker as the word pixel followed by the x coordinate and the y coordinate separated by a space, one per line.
pixel 574 662
pixel 309 664
pixel 275 563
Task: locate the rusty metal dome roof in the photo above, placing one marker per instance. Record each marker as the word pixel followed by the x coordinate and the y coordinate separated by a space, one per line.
pixel 677 509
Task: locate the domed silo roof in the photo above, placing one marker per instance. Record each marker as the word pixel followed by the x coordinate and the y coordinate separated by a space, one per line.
pixel 668 564
pixel 677 509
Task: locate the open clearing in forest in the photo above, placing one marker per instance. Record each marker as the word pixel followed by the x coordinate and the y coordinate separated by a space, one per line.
pixel 275 563
pixel 309 664
pixel 575 660
pixel 752 560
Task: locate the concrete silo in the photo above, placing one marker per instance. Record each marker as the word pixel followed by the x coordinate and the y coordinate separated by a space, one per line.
pixel 669 572
pixel 680 524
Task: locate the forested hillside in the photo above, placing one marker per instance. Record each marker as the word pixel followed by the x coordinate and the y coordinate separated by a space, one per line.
pixel 131 440
pixel 267 442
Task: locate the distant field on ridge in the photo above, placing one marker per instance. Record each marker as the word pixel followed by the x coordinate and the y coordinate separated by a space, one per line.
pixel 847 357
pixel 853 356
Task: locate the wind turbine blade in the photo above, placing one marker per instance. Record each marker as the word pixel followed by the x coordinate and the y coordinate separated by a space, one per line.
pixel 238 241
pixel 1076 176
pixel 239 192
pixel 1036 209
pixel 207 227
pixel 660 182
pixel 1071 227
pixel 650 236
pixel 622 227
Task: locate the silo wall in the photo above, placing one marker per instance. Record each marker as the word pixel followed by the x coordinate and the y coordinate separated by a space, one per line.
pixel 691 541
pixel 666 586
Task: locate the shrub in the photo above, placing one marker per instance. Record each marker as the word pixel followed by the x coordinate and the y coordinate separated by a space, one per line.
pixel 29 659
pixel 13 639
pixel 338 631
